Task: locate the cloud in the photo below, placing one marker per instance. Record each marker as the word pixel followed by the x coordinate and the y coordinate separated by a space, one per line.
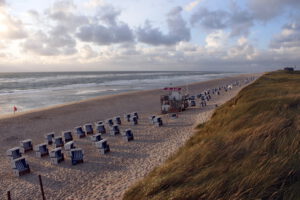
pixel 106 29
pixel 57 42
pixel 2 3
pixel 10 27
pixel 177 27
pixel 238 21
pixel 288 38
pixel 192 5
pixel 266 9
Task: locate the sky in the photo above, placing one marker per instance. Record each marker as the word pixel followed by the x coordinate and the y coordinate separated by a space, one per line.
pixel 142 35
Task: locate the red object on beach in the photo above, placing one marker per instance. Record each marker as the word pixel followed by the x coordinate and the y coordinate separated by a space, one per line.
pixel 15 108
pixel 172 89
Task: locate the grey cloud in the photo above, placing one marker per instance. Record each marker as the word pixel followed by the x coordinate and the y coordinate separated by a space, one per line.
pixel 289 38
pixel 50 45
pixel 238 21
pixel 2 3
pixel 106 29
pixel 266 9
pixel 108 15
pixel 103 35
pixel 217 19
pixel 177 26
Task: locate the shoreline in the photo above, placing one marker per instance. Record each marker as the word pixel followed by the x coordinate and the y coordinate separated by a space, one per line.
pixel 42 109
pixel 102 176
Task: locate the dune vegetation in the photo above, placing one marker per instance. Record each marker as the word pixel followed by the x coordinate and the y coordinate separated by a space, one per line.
pixel 250 149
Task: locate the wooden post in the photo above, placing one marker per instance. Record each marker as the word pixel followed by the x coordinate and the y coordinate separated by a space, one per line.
pixel 8 195
pixel 41 186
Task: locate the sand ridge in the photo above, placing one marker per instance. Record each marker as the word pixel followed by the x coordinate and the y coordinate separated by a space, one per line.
pixel 101 176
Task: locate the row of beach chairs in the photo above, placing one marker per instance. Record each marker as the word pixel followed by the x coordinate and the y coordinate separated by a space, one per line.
pixel 20 166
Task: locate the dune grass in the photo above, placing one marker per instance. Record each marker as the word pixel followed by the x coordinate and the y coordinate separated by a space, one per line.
pixel 250 149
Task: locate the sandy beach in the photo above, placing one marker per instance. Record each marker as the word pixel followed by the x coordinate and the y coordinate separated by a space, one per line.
pixel 101 176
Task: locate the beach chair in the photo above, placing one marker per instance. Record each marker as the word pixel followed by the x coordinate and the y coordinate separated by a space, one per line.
pixel 101 128
pixel 158 121
pixel 80 132
pixel 135 114
pixel 151 119
pixel 41 150
pixel 103 146
pixel 20 166
pixel 68 147
pixel 114 130
pixel 58 142
pixel 89 128
pixel 67 136
pixel 134 120
pixel 192 103
pixel 49 137
pixel 110 122
pixel 128 135
pixel 117 120
pixel 14 153
pixel 26 145
pixel 76 156
pixel 96 137
pixel 127 117
pixel 174 115
pixel 56 155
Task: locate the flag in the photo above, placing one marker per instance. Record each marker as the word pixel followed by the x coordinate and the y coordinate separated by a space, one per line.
pixel 15 109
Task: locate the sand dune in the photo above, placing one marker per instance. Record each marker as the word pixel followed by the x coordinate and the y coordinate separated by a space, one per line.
pixel 100 176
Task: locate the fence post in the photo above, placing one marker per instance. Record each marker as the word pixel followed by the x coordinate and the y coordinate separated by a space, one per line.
pixel 8 195
pixel 41 186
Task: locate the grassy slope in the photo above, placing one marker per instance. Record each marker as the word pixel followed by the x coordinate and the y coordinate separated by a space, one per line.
pixel 250 149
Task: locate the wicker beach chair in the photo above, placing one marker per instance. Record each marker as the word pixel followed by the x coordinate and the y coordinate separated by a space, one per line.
pixel 103 146
pixel 89 129
pixel 158 121
pixel 128 135
pixel 14 153
pixel 67 136
pixel 26 145
pixel 110 122
pixel 96 137
pixel 151 119
pixel 115 130
pixel 80 132
pixel 20 166
pixel 192 103
pixel 41 150
pixel 49 137
pixel 56 155
pixel 134 120
pixel 118 120
pixel 127 117
pixel 76 156
pixel 135 114
pixel 68 147
pixel 101 128
pixel 58 142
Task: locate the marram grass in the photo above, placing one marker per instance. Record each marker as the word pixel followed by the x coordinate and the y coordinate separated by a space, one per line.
pixel 250 149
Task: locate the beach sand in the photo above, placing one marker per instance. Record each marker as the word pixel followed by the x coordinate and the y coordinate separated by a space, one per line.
pixel 101 176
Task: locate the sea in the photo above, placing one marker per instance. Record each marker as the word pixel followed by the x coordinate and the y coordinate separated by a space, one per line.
pixel 27 91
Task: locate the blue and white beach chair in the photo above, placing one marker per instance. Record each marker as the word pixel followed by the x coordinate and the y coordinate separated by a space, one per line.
pixel 115 130
pixel 49 137
pixel 89 128
pixel 26 145
pixel 56 155
pixel 14 153
pixel 20 166
pixel 67 136
pixel 58 142
pixel 101 128
pixel 41 150
pixel 128 135
pixel 76 156
pixel 80 132
pixel 103 146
